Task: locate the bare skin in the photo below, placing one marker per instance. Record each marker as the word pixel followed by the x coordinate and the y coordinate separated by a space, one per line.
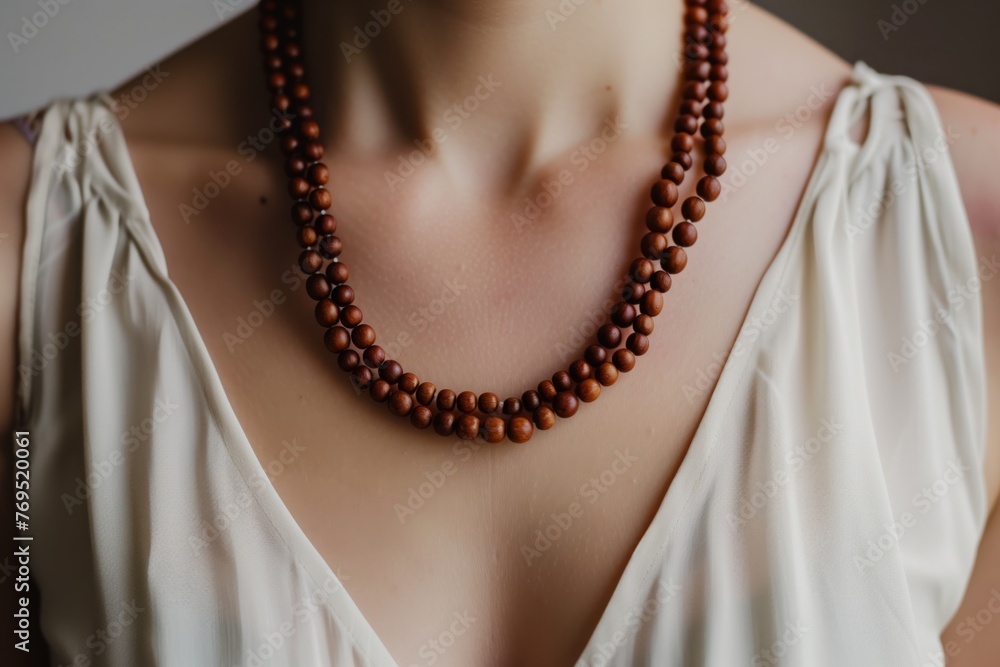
pixel 519 292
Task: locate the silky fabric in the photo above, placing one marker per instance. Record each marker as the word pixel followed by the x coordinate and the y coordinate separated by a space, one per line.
pixel 827 512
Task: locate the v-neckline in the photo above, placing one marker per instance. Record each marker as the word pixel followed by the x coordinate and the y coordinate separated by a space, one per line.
pixel 647 553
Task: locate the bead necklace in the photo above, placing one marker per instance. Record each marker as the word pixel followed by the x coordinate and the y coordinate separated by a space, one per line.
pixel 484 416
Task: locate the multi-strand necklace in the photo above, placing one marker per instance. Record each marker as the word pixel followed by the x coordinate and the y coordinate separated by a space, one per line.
pixel 618 342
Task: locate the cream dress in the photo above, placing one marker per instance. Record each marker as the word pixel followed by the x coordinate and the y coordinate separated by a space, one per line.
pixel 827 513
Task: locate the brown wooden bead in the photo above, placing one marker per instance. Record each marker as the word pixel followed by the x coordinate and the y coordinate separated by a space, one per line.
pixel 682 143
pixel 408 382
pixel 686 123
pixel 307 236
pixel 310 261
pixel 320 199
pixel 653 244
pixel 337 339
pixel 690 108
pixel 638 344
pixel 624 360
pixel 561 380
pixel 715 165
pixel 488 402
pixel 337 273
pixel 712 127
pixel 674 259
pixel 494 429
pixel 426 393
pixel 652 303
pixel 715 145
pixel 544 417
pixel 362 377
pixel 390 370
pixel 644 323
pixel 400 403
pixel 547 390
pixel 313 150
pixel 589 390
pixel 607 374
pixel 685 234
pixel 520 429
pixel 698 70
pixel 512 405
pixel 446 399
pixel 633 292
pixel 641 270
pixel 565 404
pixel 374 356
pixel 295 166
pixel 713 110
pixel 467 401
pixel 718 91
pixel 422 416
pixel 298 187
pixel 348 360
pixel 595 355
pixel 719 73
pixel 330 246
pixel 673 172
pixel 327 313
pixel 709 188
pixel 380 390
pixel 698 33
pixel 308 129
pixel 693 90
pixel 351 316
pixel 580 370
pixel 289 144
pixel 302 213
pixel 664 193
pixel 467 427
pixel 319 174
pixel 343 295
pixel 530 400
pixel 696 51
pixel 609 335
pixel 444 423
pixel 623 315
pixel 317 286
pixel 718 57
pixel 661 281
pixel 326 224
pixel 363 336
pixel 693 208
pixel 660 218
pixel 683 159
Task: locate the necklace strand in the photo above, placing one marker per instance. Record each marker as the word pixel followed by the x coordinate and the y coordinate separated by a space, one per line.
pixel 483 416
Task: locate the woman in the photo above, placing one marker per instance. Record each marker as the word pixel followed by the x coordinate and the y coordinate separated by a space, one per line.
pixel 796 472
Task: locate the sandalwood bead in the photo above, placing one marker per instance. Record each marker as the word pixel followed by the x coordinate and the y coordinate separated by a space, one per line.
pixel 408 382
pixel 348 360
pixel 715 145
pixel 330 246
pixel 685 234
pixel 421 416
pixel 520 429
pixel 313 150
pixel 380 390
pixel 580 370
pixel 709 188
pixel 467 427
pixel 546 390
pixel 672 171
pixel 713 110
pixel 351 316
pixel 644 323
pixel 693 90
pixel 699 69
pixel 318 287
pixel 641 270
pixel 660 218
pixel 544 417
pixel 661 281
pixel 633 292
pixel 326 224
pixel 374 356
pixel 488 402
pixel 320 199
pixel 712 127
pixel 531 400
pixel 609 335
pixel 302 213
pixel 664 193
pixel 361 377
pixel 446 399
pixel 327 313
pixel 607 374
pixel 426 393
pixel 589 390
pixel 565 404
pixel 652 303
pixel 512 405
pixel 624 360
pixel 719 73
pixel 674 259
pixel 319 174
pixel 298 187
pixel 363 336
pixel 718 91
pixel 307 236
pixel 467 401
pixel 653 244
pixel 400 403
pixel 683 159
pixel 310 261
pixel 494 429
pixel 693 208
pixel 444 423
pixel 295 166
pixel 561 380
pixel 638 344
pixel 682 142
pixel 390 370
pixel 595 355
pixel 337 339
pixel 715 165
pixel 623 315
pixel 343 295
